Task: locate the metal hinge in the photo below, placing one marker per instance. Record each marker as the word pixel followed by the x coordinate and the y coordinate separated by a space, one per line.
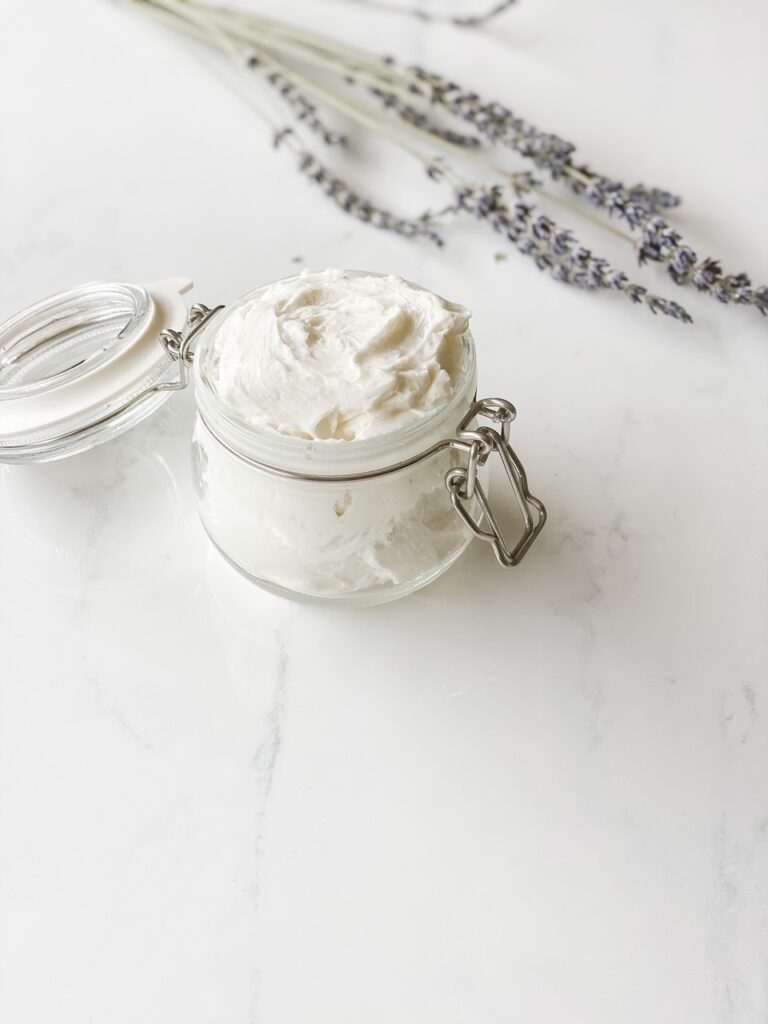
pixel 178 344
pixel 465 487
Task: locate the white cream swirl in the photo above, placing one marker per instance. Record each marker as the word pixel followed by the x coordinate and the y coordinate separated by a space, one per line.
pixel 331 355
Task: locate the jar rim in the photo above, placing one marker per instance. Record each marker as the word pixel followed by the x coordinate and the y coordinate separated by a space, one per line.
pixel 285 451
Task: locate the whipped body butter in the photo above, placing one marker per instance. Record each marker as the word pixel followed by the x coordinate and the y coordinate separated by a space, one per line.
pixel 332 375
pixel 339 451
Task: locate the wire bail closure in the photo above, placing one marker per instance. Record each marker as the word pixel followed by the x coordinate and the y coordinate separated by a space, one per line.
pixel 178 344
pixel 463 483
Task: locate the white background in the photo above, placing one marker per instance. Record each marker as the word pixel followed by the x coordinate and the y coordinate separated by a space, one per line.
pixel 537 796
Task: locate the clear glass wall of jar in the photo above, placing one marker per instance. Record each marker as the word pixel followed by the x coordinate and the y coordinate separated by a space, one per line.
pixel 329 520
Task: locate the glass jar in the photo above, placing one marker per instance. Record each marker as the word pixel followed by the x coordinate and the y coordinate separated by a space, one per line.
pixel 360 521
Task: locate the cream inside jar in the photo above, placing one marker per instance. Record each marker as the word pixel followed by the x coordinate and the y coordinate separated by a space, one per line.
pixel 329 356
pixel 331 375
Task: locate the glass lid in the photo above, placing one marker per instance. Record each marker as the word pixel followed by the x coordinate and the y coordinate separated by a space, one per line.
pixel 84 365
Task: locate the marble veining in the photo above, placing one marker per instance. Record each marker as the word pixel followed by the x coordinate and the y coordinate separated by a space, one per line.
pixel 263 765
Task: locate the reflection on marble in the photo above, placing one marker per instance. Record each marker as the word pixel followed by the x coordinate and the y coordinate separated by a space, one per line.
pixel 529 796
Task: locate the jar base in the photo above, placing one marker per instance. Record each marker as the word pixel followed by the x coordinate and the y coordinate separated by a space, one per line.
pixel 356 599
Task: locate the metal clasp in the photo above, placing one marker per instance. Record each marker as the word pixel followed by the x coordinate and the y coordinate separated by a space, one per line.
pixel 464 486
pixel 178 344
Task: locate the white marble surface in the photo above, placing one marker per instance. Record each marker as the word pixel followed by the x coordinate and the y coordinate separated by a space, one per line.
pixel 538 796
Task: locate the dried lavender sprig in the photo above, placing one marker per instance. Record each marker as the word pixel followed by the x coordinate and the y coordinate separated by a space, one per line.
pixel 494 121
pixel 661 243
pixel 412 115
pixel 637 207
pixel 654 198
pixel 498 124
pixel 304 109
pixel 351 202
pixel 556 250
